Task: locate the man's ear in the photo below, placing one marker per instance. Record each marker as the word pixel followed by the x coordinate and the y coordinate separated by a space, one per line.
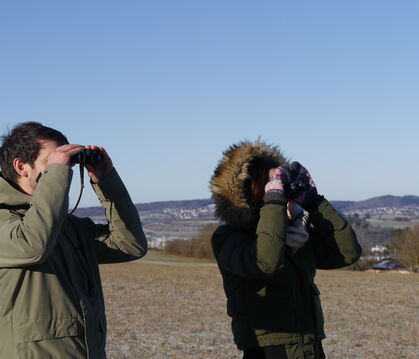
pixel 21 167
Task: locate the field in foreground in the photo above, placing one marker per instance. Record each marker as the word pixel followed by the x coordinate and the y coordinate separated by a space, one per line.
pixel 160 311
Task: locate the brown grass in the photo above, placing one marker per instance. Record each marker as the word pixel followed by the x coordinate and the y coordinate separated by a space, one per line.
pixel 161 312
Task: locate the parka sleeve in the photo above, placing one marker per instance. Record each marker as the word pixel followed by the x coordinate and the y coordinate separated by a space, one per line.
pixel 237 252
pixel 335 242
pixel 122 239
pixel 30 238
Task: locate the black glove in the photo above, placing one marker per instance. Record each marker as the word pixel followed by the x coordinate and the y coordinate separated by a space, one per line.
pixel 301 188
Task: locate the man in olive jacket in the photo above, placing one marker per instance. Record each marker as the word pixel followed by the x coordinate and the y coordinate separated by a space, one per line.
pixel 51 300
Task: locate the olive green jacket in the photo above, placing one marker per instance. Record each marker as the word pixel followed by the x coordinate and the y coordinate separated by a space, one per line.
pixel 51 300
pixel 271 295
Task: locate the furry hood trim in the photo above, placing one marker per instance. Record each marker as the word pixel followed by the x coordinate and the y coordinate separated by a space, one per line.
pixel 231 181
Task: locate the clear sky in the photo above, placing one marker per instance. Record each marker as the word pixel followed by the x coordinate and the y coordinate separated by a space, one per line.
pixel 167 86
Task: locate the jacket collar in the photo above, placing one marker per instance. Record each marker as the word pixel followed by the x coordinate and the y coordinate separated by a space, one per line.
pixel 11 196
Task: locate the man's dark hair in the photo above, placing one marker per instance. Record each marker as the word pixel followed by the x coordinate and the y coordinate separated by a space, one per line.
pixel 23 142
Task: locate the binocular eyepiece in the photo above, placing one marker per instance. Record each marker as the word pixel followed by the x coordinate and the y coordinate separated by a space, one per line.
pixel 87 157
pixel 296 187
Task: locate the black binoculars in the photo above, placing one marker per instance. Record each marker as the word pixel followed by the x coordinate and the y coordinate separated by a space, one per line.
pixel 87 157
pixel 296 184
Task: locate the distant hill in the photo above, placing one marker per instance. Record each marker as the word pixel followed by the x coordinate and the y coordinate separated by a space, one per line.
pixel 378 202
pixel 387 201
pixel 187 204
pixel 149 207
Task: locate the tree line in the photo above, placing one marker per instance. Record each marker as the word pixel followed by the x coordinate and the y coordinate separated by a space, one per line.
pixel 402 244
pixel 197 247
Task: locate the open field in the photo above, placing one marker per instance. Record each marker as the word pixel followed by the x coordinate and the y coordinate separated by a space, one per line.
pixel 162 257
pixel 176 311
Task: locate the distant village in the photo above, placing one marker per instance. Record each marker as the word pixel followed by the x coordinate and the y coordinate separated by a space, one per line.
pixel 165 221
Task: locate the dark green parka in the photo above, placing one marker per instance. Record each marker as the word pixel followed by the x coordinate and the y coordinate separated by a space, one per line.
pixel 271 295
pixel 51 300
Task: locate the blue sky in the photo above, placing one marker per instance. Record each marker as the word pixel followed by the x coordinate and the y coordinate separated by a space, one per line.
pixel 166 86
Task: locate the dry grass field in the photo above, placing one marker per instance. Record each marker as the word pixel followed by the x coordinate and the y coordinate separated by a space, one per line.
pixel 177 311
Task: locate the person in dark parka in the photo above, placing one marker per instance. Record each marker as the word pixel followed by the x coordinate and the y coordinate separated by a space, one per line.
pixel 273 239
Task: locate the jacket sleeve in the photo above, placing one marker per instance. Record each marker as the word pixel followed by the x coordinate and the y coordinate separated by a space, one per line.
pixel 238 253
pixel 30 239
pixel 122 239
pixel 335 242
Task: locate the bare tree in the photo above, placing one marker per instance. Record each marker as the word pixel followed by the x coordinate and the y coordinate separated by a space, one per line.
pixel 406 247
pixel 198 247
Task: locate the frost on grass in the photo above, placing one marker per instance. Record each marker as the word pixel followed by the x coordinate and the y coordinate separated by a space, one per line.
pixel 170 312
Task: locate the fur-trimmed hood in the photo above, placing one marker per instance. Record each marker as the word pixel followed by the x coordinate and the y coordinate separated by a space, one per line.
pixel 231 177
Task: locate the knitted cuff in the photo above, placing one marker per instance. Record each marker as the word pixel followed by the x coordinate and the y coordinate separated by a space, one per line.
pixel 274 196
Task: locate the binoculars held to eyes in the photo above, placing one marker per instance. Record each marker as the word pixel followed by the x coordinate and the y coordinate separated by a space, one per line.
pixel 297 183
pixel 87 157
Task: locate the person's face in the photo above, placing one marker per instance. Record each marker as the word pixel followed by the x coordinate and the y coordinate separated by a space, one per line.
pixel 258 189
pixel 29 183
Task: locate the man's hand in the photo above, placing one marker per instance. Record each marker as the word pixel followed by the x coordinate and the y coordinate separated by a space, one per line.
pixel 62 154
pixel 99 171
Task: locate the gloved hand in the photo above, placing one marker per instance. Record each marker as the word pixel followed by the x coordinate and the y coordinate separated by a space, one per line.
pixel 297 234
pixel 278 179
pixel 301 187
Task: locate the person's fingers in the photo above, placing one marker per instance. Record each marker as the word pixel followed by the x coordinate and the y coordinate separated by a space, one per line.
pixel 69 147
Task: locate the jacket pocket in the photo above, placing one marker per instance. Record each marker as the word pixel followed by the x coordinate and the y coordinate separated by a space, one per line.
pixel 269 314
pixel 29 330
